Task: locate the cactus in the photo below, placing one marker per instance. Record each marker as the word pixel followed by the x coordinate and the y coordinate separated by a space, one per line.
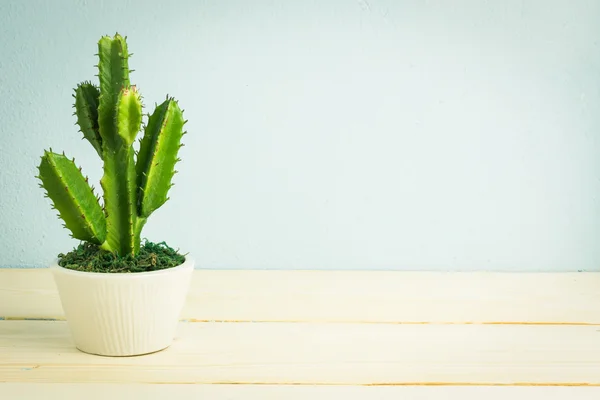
pixel 110 118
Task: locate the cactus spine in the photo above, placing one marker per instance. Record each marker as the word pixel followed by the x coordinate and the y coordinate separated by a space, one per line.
pixel 110 119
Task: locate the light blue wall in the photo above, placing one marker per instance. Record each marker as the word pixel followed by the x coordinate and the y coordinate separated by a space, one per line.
pixel 330 134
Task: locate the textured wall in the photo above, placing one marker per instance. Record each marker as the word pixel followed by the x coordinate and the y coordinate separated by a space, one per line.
pixel 330 134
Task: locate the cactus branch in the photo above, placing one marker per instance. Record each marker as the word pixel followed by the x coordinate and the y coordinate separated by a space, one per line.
pixel 86 109
pixel 158 155
pixel 72 197
pixel 129 117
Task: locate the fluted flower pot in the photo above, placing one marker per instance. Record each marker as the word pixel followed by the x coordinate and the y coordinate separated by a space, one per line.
pixel 123 314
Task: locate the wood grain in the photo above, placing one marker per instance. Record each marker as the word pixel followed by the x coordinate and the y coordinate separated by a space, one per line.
pixel 317 353
pixel 351 296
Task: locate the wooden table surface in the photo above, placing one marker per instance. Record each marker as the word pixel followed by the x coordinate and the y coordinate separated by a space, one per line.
pixel 325 335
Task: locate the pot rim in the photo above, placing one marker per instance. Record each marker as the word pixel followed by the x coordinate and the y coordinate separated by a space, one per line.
pixel 187 264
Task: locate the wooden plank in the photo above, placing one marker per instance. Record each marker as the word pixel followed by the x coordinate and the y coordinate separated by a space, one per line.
pixel 351 296
pixel 317 353
pixel 273 392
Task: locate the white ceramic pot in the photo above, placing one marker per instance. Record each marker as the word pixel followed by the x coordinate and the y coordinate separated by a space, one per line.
pixel 113 314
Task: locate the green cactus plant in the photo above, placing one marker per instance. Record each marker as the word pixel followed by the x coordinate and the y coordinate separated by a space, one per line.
pixel 133 185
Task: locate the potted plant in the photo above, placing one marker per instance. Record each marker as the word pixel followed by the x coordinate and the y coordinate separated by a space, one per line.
pixel 120 297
